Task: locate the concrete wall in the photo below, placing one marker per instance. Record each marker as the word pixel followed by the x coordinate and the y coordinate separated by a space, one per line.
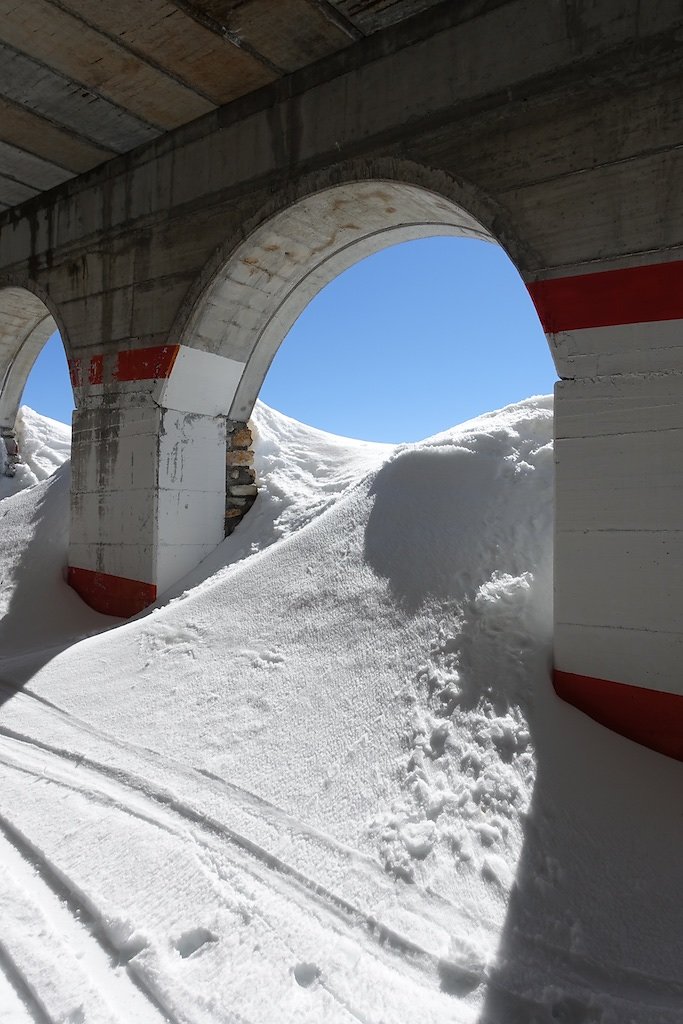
pixel 554 129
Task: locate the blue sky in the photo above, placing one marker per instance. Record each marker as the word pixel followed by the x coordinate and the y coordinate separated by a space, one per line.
pixel 405 344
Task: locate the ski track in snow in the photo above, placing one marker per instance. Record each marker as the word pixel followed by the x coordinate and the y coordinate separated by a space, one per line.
pixel 192 872
pixel 40 909
pixel 260 878
pixel 253 810
pixel 127 794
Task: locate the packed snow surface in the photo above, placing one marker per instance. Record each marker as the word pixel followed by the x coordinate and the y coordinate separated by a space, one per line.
pixel 326 778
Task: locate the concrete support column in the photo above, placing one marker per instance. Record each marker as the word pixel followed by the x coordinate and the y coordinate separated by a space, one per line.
pixel 148 472
pixel 618 338
pixel 619 553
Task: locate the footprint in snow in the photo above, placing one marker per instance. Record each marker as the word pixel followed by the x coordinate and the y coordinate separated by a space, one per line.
pixel 306 975
pixel 265 658
pixel 190 942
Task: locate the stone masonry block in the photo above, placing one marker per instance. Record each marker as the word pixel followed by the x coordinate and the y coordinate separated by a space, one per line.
pixel 241 438
pixel 242 491
pixel 239 458
pixel 241 475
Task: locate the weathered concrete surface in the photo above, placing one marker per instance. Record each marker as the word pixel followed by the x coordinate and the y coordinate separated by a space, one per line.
pixel 80 79
pixel 553 129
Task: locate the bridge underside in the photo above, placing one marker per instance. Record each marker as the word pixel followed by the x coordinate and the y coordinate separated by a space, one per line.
pixel 175 269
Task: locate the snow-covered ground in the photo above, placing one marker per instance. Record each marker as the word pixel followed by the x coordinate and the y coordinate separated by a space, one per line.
pixel 326 779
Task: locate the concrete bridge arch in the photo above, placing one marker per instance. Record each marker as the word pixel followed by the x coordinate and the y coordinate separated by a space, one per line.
pixel 157 422
pixel 252 292
pixel 583 180
pixel 27 319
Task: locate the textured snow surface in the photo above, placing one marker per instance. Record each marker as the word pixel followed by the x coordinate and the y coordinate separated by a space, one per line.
pixel 326 778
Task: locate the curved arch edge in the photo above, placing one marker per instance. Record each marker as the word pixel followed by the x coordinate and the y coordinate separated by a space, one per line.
pixel 254 288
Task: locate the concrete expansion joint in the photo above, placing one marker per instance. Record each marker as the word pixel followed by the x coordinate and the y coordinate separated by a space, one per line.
pixel 654 374
pixel 240 476
pixel 631 376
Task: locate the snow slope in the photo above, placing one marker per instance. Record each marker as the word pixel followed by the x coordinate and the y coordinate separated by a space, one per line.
pixel 326 779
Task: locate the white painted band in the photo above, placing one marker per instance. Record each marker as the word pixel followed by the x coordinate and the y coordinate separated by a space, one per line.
pixel 626 348
pixel 200 382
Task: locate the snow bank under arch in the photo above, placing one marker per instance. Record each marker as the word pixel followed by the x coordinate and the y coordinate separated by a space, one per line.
pixel 327 778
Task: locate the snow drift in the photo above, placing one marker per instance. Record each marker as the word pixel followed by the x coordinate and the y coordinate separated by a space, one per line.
pixel 327 778
pixel 45 445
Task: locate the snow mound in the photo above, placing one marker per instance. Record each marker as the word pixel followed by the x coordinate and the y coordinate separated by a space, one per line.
pixel 44 444
pixel 301 472
pixel 328 779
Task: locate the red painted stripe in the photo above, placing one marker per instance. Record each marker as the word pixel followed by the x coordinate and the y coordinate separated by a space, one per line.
pixel 111 595
pixel 75 372
pixel 96 370
pixel 146 363
pixel 650 717
pixel 610 297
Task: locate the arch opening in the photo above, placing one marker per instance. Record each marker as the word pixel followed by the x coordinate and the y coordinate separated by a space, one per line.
pixel 411 341
pixel 26 325
pixel 258 290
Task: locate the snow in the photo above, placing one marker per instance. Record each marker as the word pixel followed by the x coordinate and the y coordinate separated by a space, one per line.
pixel 38 613
pixel 45 445
pixel 326 778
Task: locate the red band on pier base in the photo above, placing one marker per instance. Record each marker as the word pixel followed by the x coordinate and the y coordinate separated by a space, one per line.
pixel 111 595
pixel 650 717
pixel 634 295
